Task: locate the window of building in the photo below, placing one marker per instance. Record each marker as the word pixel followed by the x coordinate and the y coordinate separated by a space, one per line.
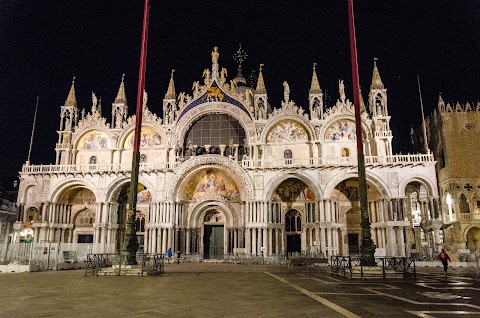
pixel 415 208
pixel 93 160
pixel 143 158
pixel 345 152
pixel 85 238
pixel 288 156
pixel 215 130
pixel 463 204
pixel 293 221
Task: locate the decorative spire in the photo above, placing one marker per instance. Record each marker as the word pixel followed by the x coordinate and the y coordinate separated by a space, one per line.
pixel 315 87
pixel 260 83
pixel 363 109
pixel 171 88
pixel 121 97
pixel 240 56
pixel 440 99
pixel 376 80
pixel 99 108
pixel 71 99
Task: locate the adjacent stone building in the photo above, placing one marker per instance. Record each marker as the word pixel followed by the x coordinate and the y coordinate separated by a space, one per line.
pixel 453 134
pixel 224 170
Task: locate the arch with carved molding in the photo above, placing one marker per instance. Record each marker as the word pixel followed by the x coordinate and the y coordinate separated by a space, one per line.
pixel 366 131
pixel 422 180
pixel 79 134
pixel 23 192
pixel 122 138
pixel 196 214
pixel 117 184
pixel 342 175
pixel 275 120
pixel 280 177
pixel 195 164
pixel 73 183
pixel 192 115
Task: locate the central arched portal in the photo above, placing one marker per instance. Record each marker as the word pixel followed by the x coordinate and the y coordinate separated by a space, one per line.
pixel 213 234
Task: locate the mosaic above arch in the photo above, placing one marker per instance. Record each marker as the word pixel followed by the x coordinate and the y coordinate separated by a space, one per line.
pixel 292 190
pixel 78 195
pixel 286 131
pixel 341 130
pixel 150 137
pixel 211 182
pixel 94 139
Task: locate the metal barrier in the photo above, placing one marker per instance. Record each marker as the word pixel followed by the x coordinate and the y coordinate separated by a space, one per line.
pixel 351 267
pixel 114 264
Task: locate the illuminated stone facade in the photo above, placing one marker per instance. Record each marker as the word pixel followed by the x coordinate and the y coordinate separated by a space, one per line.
pixel 453 132
pixel 222 171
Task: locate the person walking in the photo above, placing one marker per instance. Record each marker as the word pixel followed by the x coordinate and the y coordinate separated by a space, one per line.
pixel 169 254
pixel 444 258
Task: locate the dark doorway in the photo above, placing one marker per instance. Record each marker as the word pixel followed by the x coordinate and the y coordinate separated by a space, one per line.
pixel 85 238
pixel 353 247
pixel 213 242
pixel 294 243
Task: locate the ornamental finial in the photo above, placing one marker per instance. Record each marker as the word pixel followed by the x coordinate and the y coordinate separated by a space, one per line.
pixel 240 56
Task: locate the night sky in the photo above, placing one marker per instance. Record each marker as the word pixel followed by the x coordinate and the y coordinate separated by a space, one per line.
pixel 43 44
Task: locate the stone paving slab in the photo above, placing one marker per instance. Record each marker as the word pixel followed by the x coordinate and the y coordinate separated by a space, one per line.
pixel 227 290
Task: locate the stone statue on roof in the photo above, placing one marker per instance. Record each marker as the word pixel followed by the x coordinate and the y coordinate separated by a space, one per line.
pixel 215 55
pixel 341 89
pixel 94 102
pixel 286 91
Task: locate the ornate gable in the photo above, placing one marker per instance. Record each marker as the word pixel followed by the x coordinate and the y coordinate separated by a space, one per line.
pixel 211 93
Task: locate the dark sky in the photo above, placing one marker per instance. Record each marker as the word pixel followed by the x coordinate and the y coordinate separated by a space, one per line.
pixel 43 44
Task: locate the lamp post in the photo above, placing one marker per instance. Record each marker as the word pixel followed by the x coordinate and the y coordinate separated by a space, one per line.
pixel 130 242
pixel 367 248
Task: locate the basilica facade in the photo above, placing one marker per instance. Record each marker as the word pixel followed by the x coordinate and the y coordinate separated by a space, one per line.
pixel 223 170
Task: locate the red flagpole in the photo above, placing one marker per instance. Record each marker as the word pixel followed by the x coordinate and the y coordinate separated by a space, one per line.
pixel 367 249
pixel 130 242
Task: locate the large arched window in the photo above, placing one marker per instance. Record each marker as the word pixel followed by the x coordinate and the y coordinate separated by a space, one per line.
pixel 214 130
pixel 143 158
pixel 93 160
pixel 293 221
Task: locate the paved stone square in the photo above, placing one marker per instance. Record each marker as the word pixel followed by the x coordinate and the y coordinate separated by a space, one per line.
pixel 227 290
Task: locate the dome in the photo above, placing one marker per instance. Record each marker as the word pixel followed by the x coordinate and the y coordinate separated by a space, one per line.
pixel 239 79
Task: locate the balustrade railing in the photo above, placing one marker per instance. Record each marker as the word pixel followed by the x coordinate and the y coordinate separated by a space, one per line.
pixel 386 133
pixel 337 161
pixel 469 216
pixel 94 168
pixel 246 163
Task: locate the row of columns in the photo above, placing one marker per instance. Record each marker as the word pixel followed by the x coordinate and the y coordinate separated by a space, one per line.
pixel 164 216
pixel 392 239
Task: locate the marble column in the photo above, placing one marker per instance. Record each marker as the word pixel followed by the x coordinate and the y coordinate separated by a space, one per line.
pixel 391 241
